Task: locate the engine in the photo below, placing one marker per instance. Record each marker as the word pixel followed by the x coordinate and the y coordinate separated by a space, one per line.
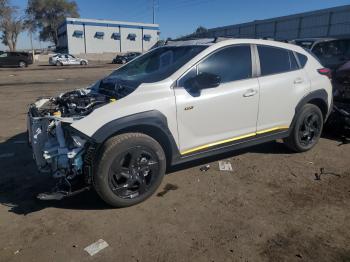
pixel 71 104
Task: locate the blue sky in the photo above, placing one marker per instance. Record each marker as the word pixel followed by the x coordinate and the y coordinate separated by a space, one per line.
pixel 180 17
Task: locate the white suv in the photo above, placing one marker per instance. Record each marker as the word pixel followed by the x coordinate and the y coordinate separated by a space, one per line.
pixel 175 104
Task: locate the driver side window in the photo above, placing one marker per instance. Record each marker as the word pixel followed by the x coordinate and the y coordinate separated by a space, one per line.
pixel 230 64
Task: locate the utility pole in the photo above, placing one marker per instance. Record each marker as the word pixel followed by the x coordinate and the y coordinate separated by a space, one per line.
pixel 154 10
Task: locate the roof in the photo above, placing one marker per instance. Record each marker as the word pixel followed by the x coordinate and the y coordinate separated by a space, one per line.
pixel 287 17
pixel 109 23
pixel 221 42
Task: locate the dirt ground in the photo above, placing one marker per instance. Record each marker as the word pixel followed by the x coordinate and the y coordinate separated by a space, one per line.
pixel 270 208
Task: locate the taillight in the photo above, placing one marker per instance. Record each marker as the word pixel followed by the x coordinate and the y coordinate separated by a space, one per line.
pixel 326 72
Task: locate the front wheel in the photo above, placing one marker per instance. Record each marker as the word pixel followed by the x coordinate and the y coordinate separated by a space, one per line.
pixel 307 129
pixel 83 63
pixel 130 168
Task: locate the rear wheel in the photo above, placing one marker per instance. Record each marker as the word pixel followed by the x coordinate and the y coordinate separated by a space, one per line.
pixel 58 63
pixel 130 169
pixel 83 63
pixel 22 64
pixel 307 129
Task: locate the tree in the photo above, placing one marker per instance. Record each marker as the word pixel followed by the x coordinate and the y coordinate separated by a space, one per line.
pixel 10 24
pixel 48 15
pixel 201 30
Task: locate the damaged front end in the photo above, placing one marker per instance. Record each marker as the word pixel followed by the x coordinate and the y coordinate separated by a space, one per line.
pixel 57 148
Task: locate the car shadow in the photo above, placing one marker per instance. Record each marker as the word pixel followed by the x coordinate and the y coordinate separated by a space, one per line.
pixel 20 182
pixel 266 148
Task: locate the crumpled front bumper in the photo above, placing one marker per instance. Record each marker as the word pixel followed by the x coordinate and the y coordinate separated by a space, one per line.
pixel 55 150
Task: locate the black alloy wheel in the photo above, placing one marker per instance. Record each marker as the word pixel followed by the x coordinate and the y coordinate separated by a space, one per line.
pixel 133 172
pixel 310 129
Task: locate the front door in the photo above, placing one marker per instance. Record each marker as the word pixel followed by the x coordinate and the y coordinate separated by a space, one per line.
pixel 223 114
pixel 4 57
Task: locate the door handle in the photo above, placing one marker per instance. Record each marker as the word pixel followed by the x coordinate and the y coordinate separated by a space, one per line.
pixel 250 92
pixel 298 81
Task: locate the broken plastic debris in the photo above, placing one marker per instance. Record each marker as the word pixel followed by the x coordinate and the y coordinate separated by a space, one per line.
pixel 205 168
pixel 225 166
pixel 96 247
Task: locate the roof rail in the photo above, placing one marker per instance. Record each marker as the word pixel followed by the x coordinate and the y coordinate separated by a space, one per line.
pixel 202 41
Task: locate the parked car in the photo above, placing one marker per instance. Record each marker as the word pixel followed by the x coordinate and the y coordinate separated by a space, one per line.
pixel 122 59
pixel 20 59
pixel 66 59
pixel 176 104
pixel 335 54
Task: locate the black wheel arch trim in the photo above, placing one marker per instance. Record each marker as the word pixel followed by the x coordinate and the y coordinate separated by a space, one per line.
pixel 152 123
pixel 317 94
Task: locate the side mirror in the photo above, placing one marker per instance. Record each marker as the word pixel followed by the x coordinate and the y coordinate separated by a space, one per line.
pixel 207 80
pixel 202 81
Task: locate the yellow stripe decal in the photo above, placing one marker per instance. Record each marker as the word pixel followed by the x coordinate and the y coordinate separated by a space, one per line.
pixel 271 129
pixel 233 139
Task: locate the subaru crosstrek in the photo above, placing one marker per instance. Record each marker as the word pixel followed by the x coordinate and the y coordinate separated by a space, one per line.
pixel 174 104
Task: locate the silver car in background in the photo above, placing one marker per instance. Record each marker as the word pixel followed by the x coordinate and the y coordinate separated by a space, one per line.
pixel 66 59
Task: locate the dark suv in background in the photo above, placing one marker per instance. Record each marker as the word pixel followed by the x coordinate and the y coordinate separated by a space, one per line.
pixel 122 59
pixel 20 59
pixel 334 54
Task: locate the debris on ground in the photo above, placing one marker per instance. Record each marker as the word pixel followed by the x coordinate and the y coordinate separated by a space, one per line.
pixel 322 172
pixel 96 247
pixel 225 166
pixel 167 188
pixel 204 168
pixel 17 252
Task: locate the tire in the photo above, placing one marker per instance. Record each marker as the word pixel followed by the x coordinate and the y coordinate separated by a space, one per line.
pixel 129 169
pixel 83 63
pixel 58 63
pixel 22 64
pixel 306 130
pixel 123 62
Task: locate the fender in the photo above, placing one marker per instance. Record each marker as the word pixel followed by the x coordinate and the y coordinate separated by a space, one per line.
pixel 317 94
pixel 153 123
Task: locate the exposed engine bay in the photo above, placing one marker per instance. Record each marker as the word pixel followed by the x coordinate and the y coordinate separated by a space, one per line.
pixel 56 148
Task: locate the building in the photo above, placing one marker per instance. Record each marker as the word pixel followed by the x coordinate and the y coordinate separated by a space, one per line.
pixel 89 36
pixel 331 22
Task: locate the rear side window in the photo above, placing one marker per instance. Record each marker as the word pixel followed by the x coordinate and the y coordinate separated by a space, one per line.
pixel 231 64
pixel 302 59
pixel 274 60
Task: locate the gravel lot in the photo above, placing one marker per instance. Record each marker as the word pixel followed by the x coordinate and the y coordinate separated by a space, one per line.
pixel 270 208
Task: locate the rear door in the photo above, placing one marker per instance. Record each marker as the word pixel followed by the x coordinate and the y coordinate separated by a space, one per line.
pixel 282 85
pixel 13 58
pixel 222 114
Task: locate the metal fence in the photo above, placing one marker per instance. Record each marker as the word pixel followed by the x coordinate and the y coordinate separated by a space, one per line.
pixel 331 22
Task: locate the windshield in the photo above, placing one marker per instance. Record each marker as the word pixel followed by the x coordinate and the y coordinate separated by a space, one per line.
pixel 157 65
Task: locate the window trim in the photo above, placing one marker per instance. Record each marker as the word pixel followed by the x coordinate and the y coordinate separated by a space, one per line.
pixel 252 55
pixel 285 49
